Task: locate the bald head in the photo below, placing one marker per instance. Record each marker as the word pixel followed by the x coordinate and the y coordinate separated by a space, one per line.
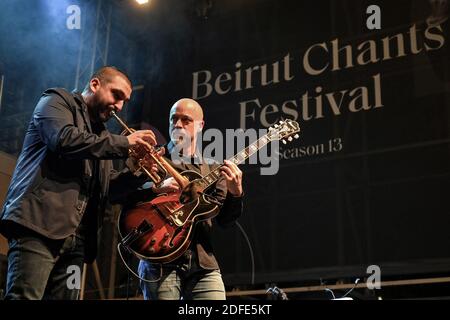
pixel 185 122
pixel 189 106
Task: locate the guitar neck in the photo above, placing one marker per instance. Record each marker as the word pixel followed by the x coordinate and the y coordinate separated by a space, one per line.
pixel 238 158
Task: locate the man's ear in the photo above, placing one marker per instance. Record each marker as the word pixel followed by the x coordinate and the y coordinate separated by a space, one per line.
pixel 201 125
pixel 94 84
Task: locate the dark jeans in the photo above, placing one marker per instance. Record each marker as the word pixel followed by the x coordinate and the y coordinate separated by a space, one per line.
pixel 41 268
pixel 175 283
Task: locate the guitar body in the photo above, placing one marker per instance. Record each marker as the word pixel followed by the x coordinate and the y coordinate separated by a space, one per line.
pixel 161 230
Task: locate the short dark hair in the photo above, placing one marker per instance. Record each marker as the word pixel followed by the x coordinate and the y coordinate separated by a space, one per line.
pixel 106 74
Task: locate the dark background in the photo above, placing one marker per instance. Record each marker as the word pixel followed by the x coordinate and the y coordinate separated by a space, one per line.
pixel 383 199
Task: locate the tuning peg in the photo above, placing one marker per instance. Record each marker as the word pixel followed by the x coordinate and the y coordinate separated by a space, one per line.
pixel 290 139
pixel 296 136
pixel 284 141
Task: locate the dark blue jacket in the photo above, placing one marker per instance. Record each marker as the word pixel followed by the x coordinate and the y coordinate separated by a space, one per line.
pixel 53 179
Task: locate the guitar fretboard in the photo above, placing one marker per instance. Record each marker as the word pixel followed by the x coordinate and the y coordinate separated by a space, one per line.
pixel 240 157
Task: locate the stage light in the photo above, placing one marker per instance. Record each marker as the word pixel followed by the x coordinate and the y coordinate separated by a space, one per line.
pixel 142 1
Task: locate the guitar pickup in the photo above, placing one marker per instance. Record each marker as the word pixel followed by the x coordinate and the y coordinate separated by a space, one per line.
pixel 136 233
pixel 210 198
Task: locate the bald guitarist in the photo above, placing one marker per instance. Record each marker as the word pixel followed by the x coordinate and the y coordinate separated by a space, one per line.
pixel 196 274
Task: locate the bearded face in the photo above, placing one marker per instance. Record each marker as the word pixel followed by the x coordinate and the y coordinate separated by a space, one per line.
pixel 107 97
pixel 101 108
pixel 185 123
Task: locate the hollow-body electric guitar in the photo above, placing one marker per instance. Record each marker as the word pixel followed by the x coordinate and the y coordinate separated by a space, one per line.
pixel 161 230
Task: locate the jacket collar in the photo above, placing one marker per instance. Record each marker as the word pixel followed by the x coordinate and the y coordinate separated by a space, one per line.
pixel 82 106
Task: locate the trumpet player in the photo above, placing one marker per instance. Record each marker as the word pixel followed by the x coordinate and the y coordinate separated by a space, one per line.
pixel 61 182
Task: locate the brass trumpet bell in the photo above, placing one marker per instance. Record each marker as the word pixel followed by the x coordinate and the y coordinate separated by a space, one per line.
pixel 144 157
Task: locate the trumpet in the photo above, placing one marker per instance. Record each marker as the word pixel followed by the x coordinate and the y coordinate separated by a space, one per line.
pixel 146 157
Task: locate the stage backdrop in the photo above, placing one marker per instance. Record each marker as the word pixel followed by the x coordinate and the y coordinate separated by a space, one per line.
pixel 366 183
pixel 368 180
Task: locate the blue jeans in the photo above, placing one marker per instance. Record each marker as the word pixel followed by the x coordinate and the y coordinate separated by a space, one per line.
pixel 38 268
pixel 175 283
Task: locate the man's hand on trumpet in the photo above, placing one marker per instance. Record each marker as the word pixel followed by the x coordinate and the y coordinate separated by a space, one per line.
pixel 142 137
pixel 142 141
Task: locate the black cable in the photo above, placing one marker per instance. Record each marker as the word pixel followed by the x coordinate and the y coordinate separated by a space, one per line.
pixel 346 294
pixel 252 256
pixel 354 286
pixel 331 291
pixel 128 278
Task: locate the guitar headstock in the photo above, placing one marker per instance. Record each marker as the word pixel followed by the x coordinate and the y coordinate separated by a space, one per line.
pixel 284 130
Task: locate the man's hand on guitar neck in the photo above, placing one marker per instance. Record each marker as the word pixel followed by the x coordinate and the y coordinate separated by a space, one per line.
pixel 233 176
pixel 229 170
